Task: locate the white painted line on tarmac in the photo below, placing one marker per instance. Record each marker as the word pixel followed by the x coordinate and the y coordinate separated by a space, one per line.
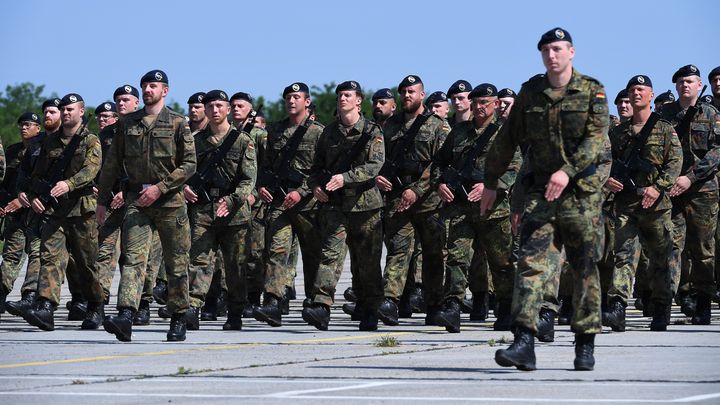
pixel 696 398
pixel 294 394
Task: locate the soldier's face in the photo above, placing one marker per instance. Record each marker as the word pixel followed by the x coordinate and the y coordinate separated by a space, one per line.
pixel 72 115
pixel 106 118
pixel 28 129
pixel 441 108
pixel 484 107
pixel 506 104
pixel 296 103
pixel 348 100
pixel 688 86
pixel 260 122
pixel 52 118
pixel 197 112
pixel 217 111
pixel 240 110
pixel 383 108
pixel 715 85
pixel 126 104
pixel 461 102
pixel 153 92
pixel 640 97
pixel 624 108
pixel 557 56
pixel 412 97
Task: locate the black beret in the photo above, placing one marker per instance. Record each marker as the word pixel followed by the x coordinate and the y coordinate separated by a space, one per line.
pixel 554 35
pixel 685 71
pixel 707 99
pixel 714 73
pixel 348 85
pixel 242 96
pixel 382 94
pixel 197 98
pixel 460 86
pixel 506 92
pixel 484 90
pixel 410 80
pixel 70 99
pixel 665 97
pixel 621 94
pixel 53 102
pixel 260 114
pixel 639 80
pixel 29 117
pixel 436 97
pixel 126 89
pixel 105 107
pixel 295 88
pixel 155 75
pixel 215 95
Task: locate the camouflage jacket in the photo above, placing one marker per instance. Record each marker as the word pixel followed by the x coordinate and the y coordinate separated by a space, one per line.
pixel 162 154
pixel 703 141
pixel 662 150
pixel 564 133
pixel 278 134
pixel 259 136
pixel 236 172
pixel 13 157
pixel 79 173
pixel 416 162
pixel 30 155
pixel 359 192
pixel 459 143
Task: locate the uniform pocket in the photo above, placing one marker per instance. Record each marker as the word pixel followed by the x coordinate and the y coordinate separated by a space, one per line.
pixel 163 145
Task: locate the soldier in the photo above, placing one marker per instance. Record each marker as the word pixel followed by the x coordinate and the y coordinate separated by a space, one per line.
pixel 647 160
pixel 383 104
pixel 506 97
pixel 714 79
pixel 282 184
pixel 437 102
pixel 695 194
pixel 155 147
pixel 349 155
pixel 458 94
pixel 624 107
pixel 260 121
pixel 458 171
pixel 563 117
pixel 106 114
pixel 62 198
pixel 219 208
pixel 411 206
pixel 662 99
pixel 196 112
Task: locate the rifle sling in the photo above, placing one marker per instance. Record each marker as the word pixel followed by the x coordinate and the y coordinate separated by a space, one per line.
pixel 478 146
pixel 409 136
pixel 288 152
pixel 642 138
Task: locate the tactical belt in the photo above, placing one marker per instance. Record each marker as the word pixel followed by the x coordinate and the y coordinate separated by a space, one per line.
pixel 80 192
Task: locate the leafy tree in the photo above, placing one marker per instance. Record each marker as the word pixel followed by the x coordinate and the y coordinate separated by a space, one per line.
pixel 15 101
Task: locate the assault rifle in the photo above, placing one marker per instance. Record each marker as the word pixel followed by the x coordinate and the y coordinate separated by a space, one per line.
pixel 623 169
pixel 392 169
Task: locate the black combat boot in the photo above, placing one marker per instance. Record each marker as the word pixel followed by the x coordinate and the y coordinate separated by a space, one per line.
pixel 417 301
pixel 120 325
pixel 285 303
pixel 177 327
pixel 479 306
pixel 209 310
pixel 192 319
pixel 350 308
pixel 233 322
pixel 160 292
pixel 388 312
pixel 566 310
pixel 164 312
pixel 142 316
pixel 466 304
pixel 94 316
pixel 546 326
pixel 3 295
pixel 349 295
pixel 368 319
pixel 616 315
pixel 317 315
pixel 253 302
pixel 688 303
pixel 647 307
pixel 270 311
pixel 449 315
pixel 77 309
pixel 503 315
pixel 702 311
pixel 17 308
pixel 584 347
pixel 404 307
pixel 41 315
pixel 521 353
pixel 660 317
pixel 431 316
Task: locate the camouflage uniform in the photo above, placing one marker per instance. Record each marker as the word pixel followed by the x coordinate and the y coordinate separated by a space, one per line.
pixel 564 132
pixel 256 241
pixel 163 154
pixel 300 220
pixel 422 220
pixel 352 215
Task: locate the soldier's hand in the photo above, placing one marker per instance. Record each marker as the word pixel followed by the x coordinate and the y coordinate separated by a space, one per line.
pixel 2 212
pixel 95 191
pixel 477 192
pixel 445 193
pixel 515 222
pixel 149 196
pixel 117 201
pixel 189 195
pixel 61 188
pixel 336 182
pixel 251 199
pixel 557 183
pixel 383 183
pixel 24 200
pixel 265 195
pixel 682 183
pixel 614 185
pixel 488 200
pixel 100 212
pixel 407 200
pixel 12 206
pixel 320 194
pixel 222 209
pixel 291 199
pixel 650 195
pixel 37 206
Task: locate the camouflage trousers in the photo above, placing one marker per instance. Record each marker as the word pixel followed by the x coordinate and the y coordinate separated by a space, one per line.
pixel 606 264
pixel 207 241
pixel 61 237
pixel 361 232
pixel 571 222
pixel 109 248
pixel 466 227
pixel 414 278
pixel 155 267
pixel 281 226
pixel 217 267
pixel 173 229
pixel 479 276
pixel 255 248
pixel 401 230
pixel 694 218
pixel 17 243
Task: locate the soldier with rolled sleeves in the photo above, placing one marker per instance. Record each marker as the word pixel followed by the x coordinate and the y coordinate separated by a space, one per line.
pixel 411 206
pixel 642 206
pixel 219 208
pixel 349 154
pixel 155 147
pixel 68 225
pixel 457 170
pixel 384 105
pixel 563 118
pixel 694 195
pixel 437 102
pixel 458 95
pixel 662 99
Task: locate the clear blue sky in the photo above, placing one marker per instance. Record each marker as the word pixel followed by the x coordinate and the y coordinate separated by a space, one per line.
pixel 92 47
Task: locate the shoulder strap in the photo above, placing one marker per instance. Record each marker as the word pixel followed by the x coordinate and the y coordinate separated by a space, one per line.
pixel 642 137
pixel 479 145
pixel 288 152
pixel 219 153
pixel 404 143
pixel 57 169
pixel 344 162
